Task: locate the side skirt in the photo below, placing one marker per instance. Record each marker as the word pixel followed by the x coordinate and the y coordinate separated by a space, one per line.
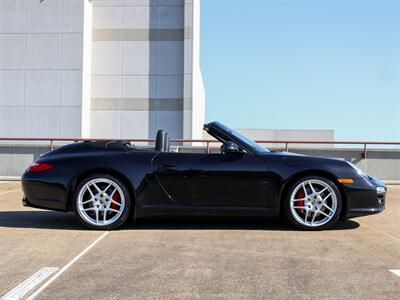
pixel 181 210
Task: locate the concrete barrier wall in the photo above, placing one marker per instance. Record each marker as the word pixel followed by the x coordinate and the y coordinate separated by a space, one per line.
pixel 382 163
pixel 14 159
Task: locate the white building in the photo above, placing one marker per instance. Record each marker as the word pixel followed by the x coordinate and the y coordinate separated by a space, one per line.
pixel 100 68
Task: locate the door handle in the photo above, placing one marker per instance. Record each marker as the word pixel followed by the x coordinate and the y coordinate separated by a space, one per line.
pixel 166 168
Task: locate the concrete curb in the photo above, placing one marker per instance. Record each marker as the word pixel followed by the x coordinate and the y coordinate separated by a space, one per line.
pixel 10 178
pixel 392 182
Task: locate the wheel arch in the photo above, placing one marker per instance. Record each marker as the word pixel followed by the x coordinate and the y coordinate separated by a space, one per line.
pixel 75 182
pixel 322 173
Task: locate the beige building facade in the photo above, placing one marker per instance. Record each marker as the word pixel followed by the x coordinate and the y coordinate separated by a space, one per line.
pixel 116 68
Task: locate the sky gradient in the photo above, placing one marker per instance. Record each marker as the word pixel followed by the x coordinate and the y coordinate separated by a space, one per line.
pixel 303 65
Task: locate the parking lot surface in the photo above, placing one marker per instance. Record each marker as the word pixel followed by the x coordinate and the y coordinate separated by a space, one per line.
pixel 198 258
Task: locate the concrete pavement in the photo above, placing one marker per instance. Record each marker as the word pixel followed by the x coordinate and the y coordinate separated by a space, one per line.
pixel 201 258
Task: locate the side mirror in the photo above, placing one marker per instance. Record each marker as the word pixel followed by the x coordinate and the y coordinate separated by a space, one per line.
pixel 229 148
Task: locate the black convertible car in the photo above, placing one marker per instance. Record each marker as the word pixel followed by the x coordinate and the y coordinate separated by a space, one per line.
pixel 105 182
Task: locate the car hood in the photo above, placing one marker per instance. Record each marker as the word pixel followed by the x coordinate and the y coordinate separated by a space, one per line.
pixel 299 162
pixel 286 153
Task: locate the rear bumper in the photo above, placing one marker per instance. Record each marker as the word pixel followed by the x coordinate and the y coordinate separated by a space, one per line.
pixel 41 194
pixel 366 196
pixel 27 203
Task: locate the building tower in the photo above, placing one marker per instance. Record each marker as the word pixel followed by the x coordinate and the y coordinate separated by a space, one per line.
pixel 116 68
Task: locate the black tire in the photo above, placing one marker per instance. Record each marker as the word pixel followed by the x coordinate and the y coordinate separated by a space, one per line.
pixel 126 209
pixel 290 215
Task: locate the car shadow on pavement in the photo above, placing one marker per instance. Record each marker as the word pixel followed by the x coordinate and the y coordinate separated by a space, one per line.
pixel 67 221
pixel 39 219
pixel 225 223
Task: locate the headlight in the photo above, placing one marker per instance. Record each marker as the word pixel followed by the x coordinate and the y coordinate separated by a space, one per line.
pixel 380 190
pixel 358 170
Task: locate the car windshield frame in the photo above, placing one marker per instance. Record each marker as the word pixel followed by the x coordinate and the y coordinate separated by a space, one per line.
pixel 244 140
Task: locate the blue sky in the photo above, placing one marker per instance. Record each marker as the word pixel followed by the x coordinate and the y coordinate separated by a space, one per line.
pixel 303 65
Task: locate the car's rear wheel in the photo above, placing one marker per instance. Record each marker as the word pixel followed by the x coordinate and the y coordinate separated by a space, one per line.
pixel 101 201
pixel 313 203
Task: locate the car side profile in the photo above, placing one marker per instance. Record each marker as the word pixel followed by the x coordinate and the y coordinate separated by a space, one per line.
pixel 104 182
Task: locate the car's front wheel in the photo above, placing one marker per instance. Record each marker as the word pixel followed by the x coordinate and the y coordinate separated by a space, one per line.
pixel 313 203
pixel 101 201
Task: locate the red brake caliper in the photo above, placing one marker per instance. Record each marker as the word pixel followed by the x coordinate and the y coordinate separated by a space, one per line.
pixel 300 194
pixel 116 198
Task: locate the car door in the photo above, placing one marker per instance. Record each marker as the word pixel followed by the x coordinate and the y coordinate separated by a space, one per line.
pixel 240 180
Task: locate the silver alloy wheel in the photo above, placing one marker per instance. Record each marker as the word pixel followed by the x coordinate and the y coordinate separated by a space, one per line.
pixel 100 202
pixel 313 203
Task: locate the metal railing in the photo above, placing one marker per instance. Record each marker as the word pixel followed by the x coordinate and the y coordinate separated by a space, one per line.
pixel 208 142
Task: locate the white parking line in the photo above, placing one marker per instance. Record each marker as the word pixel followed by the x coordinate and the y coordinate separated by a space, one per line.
pixel 396 272
pixel 7 192
pixel 381 231
pixel 63 269
pixel 28 284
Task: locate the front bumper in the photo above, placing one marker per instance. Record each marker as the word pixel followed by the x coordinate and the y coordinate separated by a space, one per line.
pixel 366 196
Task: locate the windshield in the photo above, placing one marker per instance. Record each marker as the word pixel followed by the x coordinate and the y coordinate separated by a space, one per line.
pixel 244 139
pixel 249 142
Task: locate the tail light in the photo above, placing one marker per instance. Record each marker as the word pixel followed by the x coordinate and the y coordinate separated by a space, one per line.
pixel 39 166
